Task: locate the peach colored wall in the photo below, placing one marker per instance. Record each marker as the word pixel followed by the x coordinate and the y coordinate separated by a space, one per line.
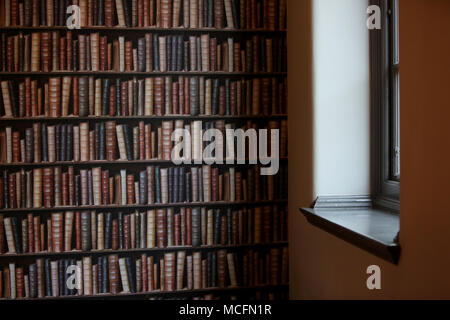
pixel 324 267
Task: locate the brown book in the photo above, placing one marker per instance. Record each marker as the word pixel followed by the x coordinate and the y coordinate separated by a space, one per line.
pixel 35 51
pixel 161 230
pixel 55 97
pixel 66 86
pixel 169 271
pixel 110 140
pixel 166 13
pixel 6 99
pixel 57 233
pixel 95 51
pixel 197 270
pixel 55 51
pixel 48 187
pixel 130 189
pixel 45 52
pixel 222 268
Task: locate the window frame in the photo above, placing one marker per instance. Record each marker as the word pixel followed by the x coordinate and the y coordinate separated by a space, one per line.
pixel 385 190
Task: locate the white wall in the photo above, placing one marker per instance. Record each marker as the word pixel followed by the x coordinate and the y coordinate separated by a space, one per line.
pixel 341 98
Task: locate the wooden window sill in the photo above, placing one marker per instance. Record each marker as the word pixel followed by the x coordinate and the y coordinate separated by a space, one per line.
pixel 370 229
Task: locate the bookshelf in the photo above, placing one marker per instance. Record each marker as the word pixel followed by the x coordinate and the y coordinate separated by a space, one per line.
pixel 217 236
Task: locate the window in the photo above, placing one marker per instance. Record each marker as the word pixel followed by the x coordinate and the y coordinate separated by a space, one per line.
pixel 386 107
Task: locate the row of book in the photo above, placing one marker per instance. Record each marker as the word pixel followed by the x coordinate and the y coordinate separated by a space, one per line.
pixel 89 96
pixel 246 295
pixel 57 187
pixel 162 228
pixel 233 14
pixel 110 141
pixel 49 51
pixel 174 271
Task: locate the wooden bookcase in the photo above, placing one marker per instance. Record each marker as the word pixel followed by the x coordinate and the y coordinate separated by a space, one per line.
pixel 20 123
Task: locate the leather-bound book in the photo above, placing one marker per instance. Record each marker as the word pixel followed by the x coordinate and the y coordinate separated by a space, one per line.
pixel 87 276
pixel 15 146
pixel 161 228
pixel 193 16
pixel 124 275
pixel 197 270
pixel 7 104
pixel 45 55
pixel 54 278
pixel 131 274
pixel 37 188
pixel 219 14
pixel 86 231
pixel 69 143
pixel 113 274
pixel 170 227
pixel 128 141
pixel 196 227
pixel 68 227
pixel 10 238
pixel 221 268
pixel 57 232
pixel 188 226
pixel 120 142
pixel 150 185
pixel 156 53
pixel 128 54
pixel 258 228
pixel 48 187
pixel 110 140
pixel 115 234
pixel 47 278
pixel 126 232
pixel 136 146
pixel 223 230
pixel 40 278
pixel 141 55
pixel 100 231
pixel 61 276
pixel 55 51
pixel 217 226
pixel 108 13
pixel 83 53
pixel 33 280
pixel 148 52
pixel 267 224
pixel 28 13
pixel 130 189
pixel 159 95
pixel 142 187
pixel 166 13
pixel 77 231
pixel 170 271
pixel 177 236
pixel 83 96
pixel 120 222
pixel 151 224
pixel 108 231
pixel 164 185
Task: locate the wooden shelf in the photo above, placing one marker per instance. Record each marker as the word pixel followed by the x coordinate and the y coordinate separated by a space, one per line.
pixel 141 251
pixel 193 292
pixel 141 118
pixel 143 29
pixel 116 162
pixel 145 206
pixel 143 74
